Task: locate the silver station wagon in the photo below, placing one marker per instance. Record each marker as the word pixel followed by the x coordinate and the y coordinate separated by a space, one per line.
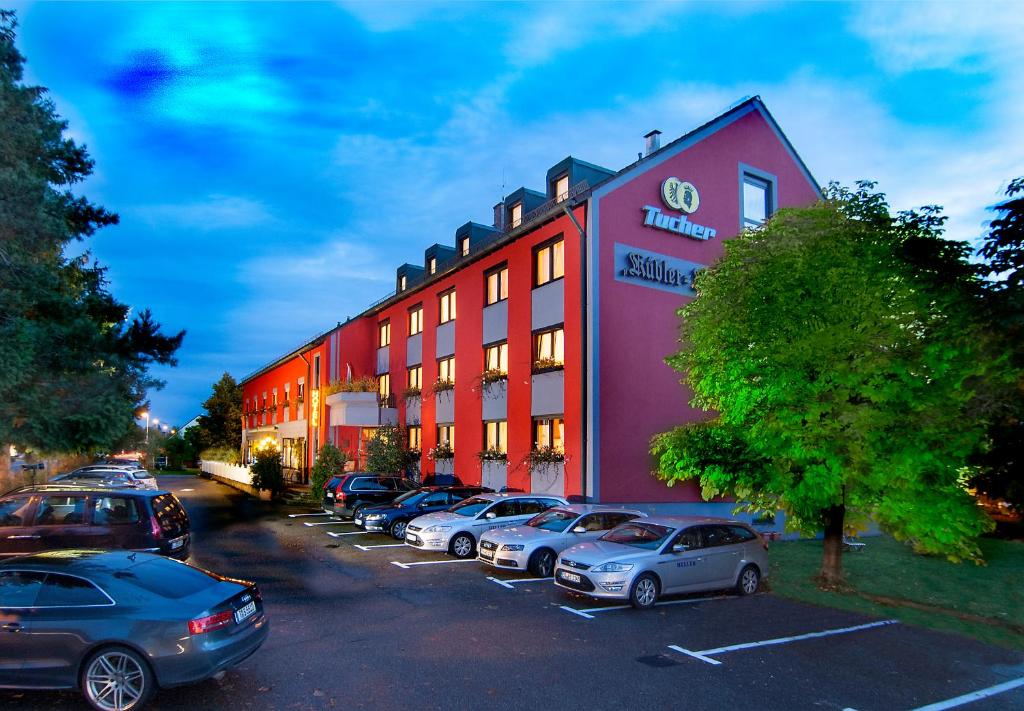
pixel 641 560
pixel 535 545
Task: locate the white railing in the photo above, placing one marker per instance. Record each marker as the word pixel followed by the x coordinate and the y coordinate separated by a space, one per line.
pixel 227 471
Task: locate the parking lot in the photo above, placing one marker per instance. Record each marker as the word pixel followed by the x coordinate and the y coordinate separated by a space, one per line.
pixel 360 620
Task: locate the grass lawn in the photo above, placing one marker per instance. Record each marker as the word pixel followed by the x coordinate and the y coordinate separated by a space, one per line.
pixel 985 602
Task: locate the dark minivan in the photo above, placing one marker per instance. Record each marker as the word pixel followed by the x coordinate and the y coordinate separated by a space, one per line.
pixel 52 516
pixel 347 493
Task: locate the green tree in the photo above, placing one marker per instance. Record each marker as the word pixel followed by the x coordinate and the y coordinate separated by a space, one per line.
pixel 838 348
pixel 222 423
pixel 388 452
pixel 74 364
pixel 998 467
pixel 267 472
pixel 329 461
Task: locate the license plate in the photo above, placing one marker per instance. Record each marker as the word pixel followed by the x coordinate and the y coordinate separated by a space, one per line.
pixel 571 577
pixel 412 537
pixel 177 543
pixel 330 495
pixel 244 612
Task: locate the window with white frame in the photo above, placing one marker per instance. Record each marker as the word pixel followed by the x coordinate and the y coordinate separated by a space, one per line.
pixel 496 357
pixel 496 435
pixel 402 283
pixel 497 285
pixel 446 306
pixel 446 370
pixel 549 263
pixel 517 215
pixel 416 320
pixel 464 248
pixel 757 200
pixel 562 188
pixel 446 435
pixel 432 265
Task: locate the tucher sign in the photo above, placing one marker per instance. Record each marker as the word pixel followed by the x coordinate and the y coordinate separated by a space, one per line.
pixel 682 196
pixel 657 271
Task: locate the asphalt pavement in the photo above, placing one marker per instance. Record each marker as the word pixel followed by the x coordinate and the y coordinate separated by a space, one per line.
pixel 360 622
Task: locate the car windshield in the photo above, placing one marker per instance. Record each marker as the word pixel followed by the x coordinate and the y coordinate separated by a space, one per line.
pixel 411 497
pixel 553 520
pixel 638 535
pixel 471 506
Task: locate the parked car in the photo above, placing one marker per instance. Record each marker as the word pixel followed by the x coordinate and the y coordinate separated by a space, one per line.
pixel 64 516
pixel 644 559
pixel 457 530
pixel 110 475
pixel 346 494
pixel 535 545
pixel 117 626
pixel 392 518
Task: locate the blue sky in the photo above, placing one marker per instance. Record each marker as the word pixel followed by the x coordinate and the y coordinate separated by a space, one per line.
pixel 273 163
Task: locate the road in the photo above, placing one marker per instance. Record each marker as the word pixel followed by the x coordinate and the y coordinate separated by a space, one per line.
pixel 349 629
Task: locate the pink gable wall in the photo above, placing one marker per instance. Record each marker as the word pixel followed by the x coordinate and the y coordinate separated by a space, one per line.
pixel 639 395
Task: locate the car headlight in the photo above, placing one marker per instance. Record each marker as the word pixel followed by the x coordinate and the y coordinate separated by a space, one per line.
pixel 511 547
pixel 613 568
pixel 438 529
pixel 374 517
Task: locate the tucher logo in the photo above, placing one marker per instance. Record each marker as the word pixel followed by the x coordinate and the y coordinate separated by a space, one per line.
pixel 680 195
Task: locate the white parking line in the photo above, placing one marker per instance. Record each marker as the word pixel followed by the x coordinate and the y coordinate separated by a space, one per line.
pixel 509 583
pixel 588 613
pixel 324 523
pixel 406 566
pixel 382 545
pixel 973 696
pixel 705 654
pixel 348 533
pixel 322 513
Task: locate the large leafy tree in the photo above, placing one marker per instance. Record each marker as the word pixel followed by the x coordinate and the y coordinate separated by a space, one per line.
pixel 999 465
pixel 74 364
pixel 222 424
pixel 837 345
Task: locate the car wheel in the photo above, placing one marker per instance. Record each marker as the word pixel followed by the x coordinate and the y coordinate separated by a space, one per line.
pixel 398 529
pixel 462 546
pixel 117 679
pixel 357 510
pixel 748 581
pixel 644 592
pixel 542 563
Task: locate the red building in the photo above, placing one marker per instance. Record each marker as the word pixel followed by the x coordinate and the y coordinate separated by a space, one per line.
pixel 543 336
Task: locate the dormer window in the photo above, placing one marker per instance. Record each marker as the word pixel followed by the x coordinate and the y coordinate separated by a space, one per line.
pixel 401 283
pixel 464 247
pixel 562 188
pixel 517 215
pixel 432 265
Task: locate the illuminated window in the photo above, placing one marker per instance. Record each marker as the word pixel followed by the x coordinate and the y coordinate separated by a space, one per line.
pixel 549 432
pixel 384 386
pixel 301 394
pixel 446 369
pixel 497 285
pixel 385 333
pixel 432 265
pixel 496 357
pixel 401 283
pixel 446 305
pixel 414 378
pixel 446 435
pixel 549 349
pixel 465 247
pixel 517 215
pixel 562 188
pixel 415 439
pixel 757 202
pixel 549 263
pixel 496 435
pixel 416 320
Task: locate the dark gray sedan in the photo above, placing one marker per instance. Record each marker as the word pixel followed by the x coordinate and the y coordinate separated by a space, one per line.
pixel 118 625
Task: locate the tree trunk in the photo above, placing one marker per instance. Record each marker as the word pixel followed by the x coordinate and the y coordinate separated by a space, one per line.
pixel 831 574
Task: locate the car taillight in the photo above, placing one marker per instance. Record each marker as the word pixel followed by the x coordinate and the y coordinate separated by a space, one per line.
pixel 256 594
pixel 201 625
pixel 154 527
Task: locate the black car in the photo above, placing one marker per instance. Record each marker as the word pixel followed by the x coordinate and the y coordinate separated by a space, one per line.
pixel 62 516
pixel 117 625
pixel 346 494
pixel 392 518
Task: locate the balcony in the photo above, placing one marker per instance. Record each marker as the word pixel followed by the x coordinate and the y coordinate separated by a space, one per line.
pixel 362 409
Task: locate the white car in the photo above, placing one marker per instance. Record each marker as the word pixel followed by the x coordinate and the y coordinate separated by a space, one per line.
pixel 110 476
pixel 457 530
pixel 535 545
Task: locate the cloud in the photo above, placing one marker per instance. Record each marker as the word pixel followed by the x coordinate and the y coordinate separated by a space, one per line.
pixel 318 264
pixel 396 15
pixel 215 212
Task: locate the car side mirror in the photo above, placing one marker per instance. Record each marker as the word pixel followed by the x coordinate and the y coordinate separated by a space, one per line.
pixel 579 529
pixel 491 514
pixel 680 548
